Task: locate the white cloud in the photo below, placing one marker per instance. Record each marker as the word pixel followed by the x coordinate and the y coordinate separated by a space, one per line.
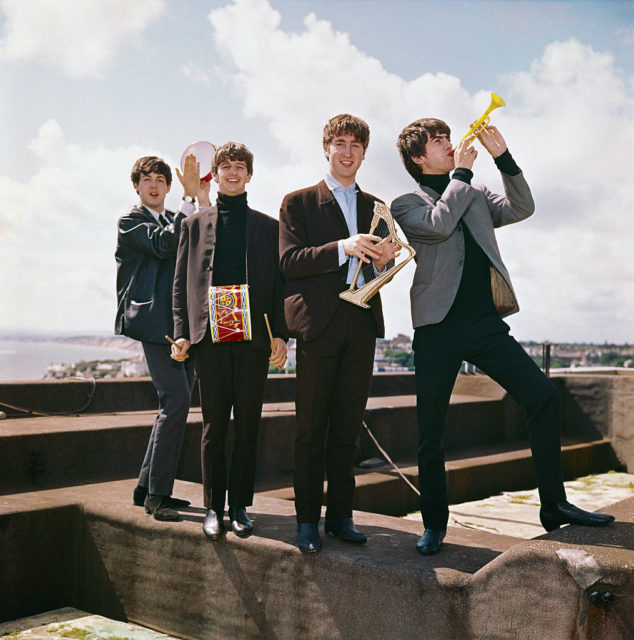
pixel 59 234
pixel 196 73
pixel 80 37
pixel 569 123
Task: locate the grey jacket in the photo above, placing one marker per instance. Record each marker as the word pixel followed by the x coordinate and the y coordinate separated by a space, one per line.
pixel 430 223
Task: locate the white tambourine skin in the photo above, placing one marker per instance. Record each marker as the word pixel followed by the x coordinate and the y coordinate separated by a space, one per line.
pixel 204 152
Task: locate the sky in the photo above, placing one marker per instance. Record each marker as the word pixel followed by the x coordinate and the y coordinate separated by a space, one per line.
pixel 88 87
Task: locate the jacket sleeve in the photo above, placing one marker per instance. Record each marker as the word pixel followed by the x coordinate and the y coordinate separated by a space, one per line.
pixel 516 204
pixel 278 327
pixel 299 258
pixel 423 222
pixel 179 297
pixel 149 238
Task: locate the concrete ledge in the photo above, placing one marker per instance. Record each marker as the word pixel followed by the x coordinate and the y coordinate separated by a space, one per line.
pixel 47 452
pixel 125 565
pixel 138 394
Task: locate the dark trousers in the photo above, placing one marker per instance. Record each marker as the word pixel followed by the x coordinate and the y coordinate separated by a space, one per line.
pixel 439 351
pixel 334 373
pixel 230 375
pixel 173 382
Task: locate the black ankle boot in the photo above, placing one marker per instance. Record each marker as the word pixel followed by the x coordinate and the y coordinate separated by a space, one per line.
pixel 430 541
pixel 241 525
pixel 554 514
pixel 213 527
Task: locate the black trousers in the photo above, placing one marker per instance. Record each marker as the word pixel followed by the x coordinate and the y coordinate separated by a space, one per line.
pixel 439 350
pixel 173 382
pixel 230 375
pixel 334 373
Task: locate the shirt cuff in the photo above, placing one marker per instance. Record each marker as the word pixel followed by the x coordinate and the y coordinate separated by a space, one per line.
pixel 186 208
pixel 342 254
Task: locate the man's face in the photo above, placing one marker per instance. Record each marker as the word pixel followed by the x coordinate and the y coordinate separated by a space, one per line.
pixel 345 155
pixel 232 177
pixel 438 158
pixel 152 189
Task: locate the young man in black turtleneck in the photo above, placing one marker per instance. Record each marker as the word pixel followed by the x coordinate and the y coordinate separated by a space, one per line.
pixel 229 244
pixel 461 289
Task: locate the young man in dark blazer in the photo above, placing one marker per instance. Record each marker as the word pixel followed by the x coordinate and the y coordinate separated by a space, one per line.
pixel 228 244
pixel 146 256
pixel 460 292
pixel 323 235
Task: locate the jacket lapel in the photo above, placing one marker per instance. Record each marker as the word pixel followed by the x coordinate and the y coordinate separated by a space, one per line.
pixel 428 195
pixel 327 201
pixel 141 211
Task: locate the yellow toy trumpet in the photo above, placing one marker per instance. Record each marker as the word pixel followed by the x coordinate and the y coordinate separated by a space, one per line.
pixel 483 120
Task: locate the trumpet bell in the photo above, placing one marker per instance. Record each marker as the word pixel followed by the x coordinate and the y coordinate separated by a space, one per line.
pixel 496 102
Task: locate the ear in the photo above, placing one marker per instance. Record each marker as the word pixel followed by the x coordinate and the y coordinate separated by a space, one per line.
pixel 215 177
pixel 419 160
pixel 169 186
pixel 136 186
pixel 248 179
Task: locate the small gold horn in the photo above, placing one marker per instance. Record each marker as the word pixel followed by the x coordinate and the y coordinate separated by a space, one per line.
pixel 483 120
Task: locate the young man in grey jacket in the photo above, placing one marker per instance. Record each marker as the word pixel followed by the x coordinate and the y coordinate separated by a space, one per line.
pixel 460 293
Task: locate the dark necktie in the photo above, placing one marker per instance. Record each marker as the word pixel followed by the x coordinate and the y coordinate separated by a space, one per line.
pixel 166 219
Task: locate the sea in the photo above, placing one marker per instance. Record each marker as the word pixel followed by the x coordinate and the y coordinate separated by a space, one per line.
pixel 24 360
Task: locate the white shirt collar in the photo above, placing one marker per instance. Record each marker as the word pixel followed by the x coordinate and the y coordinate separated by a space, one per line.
pixel 333 183
pixel 155 214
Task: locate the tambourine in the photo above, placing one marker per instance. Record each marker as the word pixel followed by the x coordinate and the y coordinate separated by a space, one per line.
pixel 204 152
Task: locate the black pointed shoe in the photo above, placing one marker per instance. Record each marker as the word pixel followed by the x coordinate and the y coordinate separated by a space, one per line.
pixel 241 525
pixel 308 539
pixel 431 541
pixel 158 506
pixel 213 527
pixel 553 515
pixel 344 529
pixel 140 493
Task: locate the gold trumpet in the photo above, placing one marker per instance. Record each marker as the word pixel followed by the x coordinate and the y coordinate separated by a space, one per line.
pixel 483 120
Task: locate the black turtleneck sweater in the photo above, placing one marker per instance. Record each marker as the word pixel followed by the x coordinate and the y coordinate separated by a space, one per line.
pixel 474 298
pixel 230 256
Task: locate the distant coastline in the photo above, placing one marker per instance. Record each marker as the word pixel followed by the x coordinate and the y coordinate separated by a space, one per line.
pixel 30 357
pixel 106 342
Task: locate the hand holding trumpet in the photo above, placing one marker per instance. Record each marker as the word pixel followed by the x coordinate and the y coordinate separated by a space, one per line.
pixel 464 156
pixel 492 140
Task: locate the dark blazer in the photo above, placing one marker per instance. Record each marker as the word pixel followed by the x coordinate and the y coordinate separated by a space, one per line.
pixel 311 224
pixel 145 256
pixel 194 276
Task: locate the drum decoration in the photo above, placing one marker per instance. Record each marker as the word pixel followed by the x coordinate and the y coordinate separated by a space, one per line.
pixel 229 313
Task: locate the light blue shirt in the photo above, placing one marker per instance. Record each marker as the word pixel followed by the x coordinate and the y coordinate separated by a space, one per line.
pixel 346 197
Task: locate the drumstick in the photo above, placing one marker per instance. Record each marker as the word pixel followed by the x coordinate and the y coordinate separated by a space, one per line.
pixel 170 340
pixel 268 326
